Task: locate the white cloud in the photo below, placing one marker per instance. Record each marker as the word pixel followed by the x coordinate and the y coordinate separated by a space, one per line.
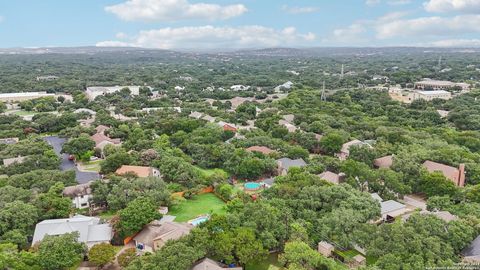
pixel 464 6
pixel 372 2
pixel 353 33
pixel 429 26
pixel 456 43
pixel 173 10
pixel 121 35
pixel 390 2
pixel 205 37
pixel 299 10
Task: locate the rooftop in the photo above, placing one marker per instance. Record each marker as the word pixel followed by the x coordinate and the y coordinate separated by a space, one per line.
pixel 140 171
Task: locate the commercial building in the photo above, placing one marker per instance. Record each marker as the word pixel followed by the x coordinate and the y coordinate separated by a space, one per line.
pixel 430 95
pixel 440 85
pixel 17 97
pixel 95 91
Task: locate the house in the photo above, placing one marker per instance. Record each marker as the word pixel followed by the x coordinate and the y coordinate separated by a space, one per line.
pixel 325 248
pixel 140 171
pixel 85 110
pixel 79 194
pixel 9 141
pixel 239 87
pixel 284 164
pixel 209 264
pixel 156 234
pixel 101 129
pixel 332 177
pixel 179 88
pixel 268 182
pixel 47 78
pixel 456 175
pixel 443 113
pixel 357 261
pixel 289 118
pixel 209 118
pixel 383 162
pixel 102 140
pixel 12 161
pixel 90 230
pixel 443 215
pixel 290 127
pixel 377 197
pixel 95 91
pixel 471 254
pixel 195 114
pixel 237 101
pixel 261 149
pixel 345 150
pixel 227 126
pixel 391 209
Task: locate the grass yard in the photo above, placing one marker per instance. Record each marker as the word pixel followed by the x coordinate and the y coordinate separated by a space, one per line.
pixel 347 254
pixel 91 166
pixel 209 172
pixel 206 203
pixel 271 259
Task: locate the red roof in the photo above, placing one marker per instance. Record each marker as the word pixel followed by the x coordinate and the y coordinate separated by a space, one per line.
pixel 457 175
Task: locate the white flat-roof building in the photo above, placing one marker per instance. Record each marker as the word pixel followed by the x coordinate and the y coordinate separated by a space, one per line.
pixel 440 85
pixel 430 95
pixel 95 91
pixel 22 96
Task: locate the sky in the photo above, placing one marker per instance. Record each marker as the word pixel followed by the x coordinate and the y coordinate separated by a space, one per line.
pixel 209 24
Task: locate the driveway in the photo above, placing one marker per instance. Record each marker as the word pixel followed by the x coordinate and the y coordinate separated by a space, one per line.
pixel 66 164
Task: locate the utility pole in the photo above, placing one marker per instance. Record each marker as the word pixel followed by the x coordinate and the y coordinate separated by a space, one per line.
pixel 323 97
pixel 342 73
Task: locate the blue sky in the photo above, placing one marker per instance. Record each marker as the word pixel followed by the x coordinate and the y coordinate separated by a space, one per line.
pixel 176 24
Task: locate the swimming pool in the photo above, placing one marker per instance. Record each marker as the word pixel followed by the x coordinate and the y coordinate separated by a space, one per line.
pixel 198 220
pixel 252 186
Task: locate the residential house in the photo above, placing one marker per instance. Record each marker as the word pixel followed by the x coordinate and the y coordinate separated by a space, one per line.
pixel 471 254
pixel 237 101
pixel 440 85
pixel 284 164
pixel 261 149
pixel 345 150
pixel 209 118
pixel 443 215
pixel 209 264
pixel 268 182
pixel 79 194
pixel 456 175
pixel 332 177
pixel 156 234
pixel 284 86
pixel 12 161
pixel 239 87
pixel 443 113
pixel 325 248
pixel 383 162
pixel 140 171
pixel 101 129
pixel 102 140
pixel 431 95
pixel 391 209
pixel 22 96
pixel 90 230
pixel 9 141
pixel 227 126
pixel 290 127
pixel 195 114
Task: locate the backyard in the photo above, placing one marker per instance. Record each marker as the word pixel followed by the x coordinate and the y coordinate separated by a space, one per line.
pixel 265 263
pixel 207 203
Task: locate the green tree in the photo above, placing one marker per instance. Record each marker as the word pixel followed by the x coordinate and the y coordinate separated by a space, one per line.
pixel 61 251
pixel 17 215
pixel 79 146
pixel 52 204
pixel 331 143
pixel 436 184
pixel 101 254
pixel 138 213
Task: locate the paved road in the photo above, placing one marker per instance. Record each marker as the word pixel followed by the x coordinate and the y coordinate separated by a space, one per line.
pixel 81 177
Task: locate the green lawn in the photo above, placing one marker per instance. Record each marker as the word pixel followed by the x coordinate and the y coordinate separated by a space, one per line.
pixel 91 166
pixel 209 172
pixel 206 203
pixel 271 259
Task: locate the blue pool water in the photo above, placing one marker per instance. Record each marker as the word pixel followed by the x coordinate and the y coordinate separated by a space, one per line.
pixel 252 186
pixel 198 220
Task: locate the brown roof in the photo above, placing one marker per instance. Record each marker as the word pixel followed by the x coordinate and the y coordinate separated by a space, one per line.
pixel 99 138
pixel 330 177
pixel 209 264
pixel 383 162
pixel 140 171
pixel 101 128
pixel 449 172
pixel 262 149
pixel 78 190
pixel 162 231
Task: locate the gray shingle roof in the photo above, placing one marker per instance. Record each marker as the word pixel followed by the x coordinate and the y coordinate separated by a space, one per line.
pixel 473 249
pixel 286 163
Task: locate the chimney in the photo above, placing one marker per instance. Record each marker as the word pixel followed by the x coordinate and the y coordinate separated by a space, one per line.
pixel 461 175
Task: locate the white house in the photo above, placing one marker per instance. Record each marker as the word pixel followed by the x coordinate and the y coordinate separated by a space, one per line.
pixel 239 87
pixel 80 195
pixel 90 230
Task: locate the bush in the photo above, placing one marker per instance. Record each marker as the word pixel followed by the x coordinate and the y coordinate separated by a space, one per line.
pixel 126 257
